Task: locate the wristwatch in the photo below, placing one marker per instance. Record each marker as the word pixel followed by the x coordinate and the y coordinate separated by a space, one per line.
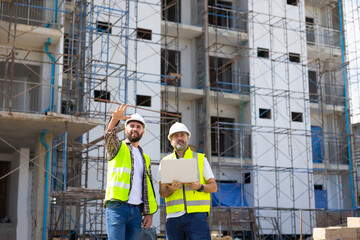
pixel 201 189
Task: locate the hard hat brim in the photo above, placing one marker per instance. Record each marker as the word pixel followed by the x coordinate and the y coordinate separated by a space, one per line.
pixel 188 133
pixel 133 120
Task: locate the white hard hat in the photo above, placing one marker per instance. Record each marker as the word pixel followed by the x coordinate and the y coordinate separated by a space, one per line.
pixel 136 117
pixel 178 127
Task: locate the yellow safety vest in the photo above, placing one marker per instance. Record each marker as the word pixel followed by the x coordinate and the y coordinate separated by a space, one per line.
pixel 118 178
pixel 186 198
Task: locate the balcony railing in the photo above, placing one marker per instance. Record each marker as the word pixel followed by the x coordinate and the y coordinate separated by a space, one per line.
pixel 223 16
pixel 29 12
pixel 234 140
pixel 331 94
pixel 26 96
pixel 322 35
pixel 235 82
pixel 337 151
pixel 334 94
pixel 329 148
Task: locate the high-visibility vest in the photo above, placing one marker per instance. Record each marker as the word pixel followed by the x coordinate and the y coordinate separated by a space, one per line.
pixel 119 178
pixel 186 198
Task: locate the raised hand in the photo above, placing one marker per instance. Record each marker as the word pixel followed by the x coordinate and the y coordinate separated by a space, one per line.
pixel 119 113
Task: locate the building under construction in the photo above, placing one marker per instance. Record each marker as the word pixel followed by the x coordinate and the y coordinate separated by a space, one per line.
pixel 269 90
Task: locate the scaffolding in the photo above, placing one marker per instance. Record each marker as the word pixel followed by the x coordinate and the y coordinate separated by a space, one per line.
pixel 307 156
pixel 324 97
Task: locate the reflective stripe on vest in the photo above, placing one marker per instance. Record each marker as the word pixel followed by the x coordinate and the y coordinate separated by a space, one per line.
pixel 189 203
pixel 195 201
pixel 119 184
pixel 121 169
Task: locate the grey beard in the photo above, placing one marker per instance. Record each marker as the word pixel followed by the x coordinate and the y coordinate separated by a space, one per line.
pixel 180 147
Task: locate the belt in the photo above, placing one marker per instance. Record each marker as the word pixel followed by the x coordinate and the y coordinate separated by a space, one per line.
pixel 114 201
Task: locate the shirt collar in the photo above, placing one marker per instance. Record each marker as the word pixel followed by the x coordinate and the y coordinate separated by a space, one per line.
pixel 176 155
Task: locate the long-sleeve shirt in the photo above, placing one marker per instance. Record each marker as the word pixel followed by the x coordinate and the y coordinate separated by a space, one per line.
pixel 112 141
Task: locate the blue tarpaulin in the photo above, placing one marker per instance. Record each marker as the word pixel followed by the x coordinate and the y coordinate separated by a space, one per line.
pixel 230 195
pixel 317 142
pixel 320 199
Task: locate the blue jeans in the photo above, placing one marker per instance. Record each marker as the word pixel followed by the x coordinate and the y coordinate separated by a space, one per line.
pixel 123 221
pixel 191 226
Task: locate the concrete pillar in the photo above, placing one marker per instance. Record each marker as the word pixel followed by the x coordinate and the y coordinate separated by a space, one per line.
pixel 13 184
pixel 23 203
pixel 40 183
pixel 207 147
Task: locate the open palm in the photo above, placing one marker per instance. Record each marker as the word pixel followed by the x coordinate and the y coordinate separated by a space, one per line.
pixel 119 113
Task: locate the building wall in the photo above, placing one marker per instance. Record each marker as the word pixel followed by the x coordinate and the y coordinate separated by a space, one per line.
pixel 280 143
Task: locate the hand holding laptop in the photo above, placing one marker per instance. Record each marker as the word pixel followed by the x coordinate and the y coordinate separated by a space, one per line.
pixel 175 185
pixel 194 185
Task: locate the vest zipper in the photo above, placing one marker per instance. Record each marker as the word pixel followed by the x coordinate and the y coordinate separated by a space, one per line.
pixel 132 160
pixel 184 198
pixel 183 187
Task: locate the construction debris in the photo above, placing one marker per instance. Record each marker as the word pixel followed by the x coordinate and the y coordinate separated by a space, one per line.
pixel 350 232
pixel 222 238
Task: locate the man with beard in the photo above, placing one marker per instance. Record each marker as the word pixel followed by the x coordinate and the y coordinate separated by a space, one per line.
pixel 187 204
pixel 129 191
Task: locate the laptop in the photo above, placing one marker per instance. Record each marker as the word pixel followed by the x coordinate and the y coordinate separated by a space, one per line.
pixel 183 170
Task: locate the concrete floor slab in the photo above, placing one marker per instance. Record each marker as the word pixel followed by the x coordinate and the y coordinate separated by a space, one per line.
pixel 23 129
